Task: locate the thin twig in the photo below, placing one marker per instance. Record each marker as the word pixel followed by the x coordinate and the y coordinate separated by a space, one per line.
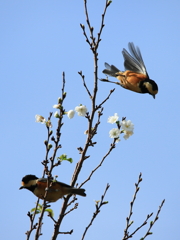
pixel 60 218
pixel 49 215
pixel 89 25
pixel 100 105
pixel 128 219
pixel 72 201
pixel 75 207
pixel 87 39
pixel 153 222
pixel 137 229
pixel 82 76
pixel 32 226
pixel 102 24
pixel 66 232
pixel 90 175
pixel 38 231
pixel 129 223
pixel 98 205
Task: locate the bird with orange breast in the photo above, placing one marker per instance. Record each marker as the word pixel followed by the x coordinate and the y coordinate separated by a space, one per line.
pixel 56 189
pixel 135 76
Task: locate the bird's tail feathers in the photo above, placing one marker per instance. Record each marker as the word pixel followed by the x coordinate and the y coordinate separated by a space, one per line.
pixel 110 70
pixel 78 191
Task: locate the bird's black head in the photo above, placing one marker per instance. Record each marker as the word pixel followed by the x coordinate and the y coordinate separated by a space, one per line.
pixel 28 181
pixel 28 178
pixel 149 86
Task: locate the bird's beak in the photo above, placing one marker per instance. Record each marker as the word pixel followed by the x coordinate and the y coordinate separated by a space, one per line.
pixel 153 96
pixel 21 187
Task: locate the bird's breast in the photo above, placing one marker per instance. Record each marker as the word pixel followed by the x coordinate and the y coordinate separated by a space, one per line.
pixel 131 80
pixel 54 192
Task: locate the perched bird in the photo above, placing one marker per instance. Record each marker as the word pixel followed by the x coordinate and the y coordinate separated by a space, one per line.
pixel 135 78
pixel 55 191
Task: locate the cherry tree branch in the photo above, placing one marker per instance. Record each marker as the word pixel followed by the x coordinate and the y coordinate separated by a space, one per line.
pixel 129 223
pixel 98 206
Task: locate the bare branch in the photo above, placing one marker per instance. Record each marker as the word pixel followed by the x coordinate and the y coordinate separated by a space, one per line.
pixel 111 148
pixel 143 224
pixel 66 232
pixel 32 225
pixel 153 222
pixel 100 105
pixel 102 24
pixel 39 226
pixel 129 223
pixel 98 206
pixel 89 25
pixel 128 219
pixel 75 207
pixel 49 215
pixel 60 218
pixel 87 39
pixel 72 201
pixel 82 76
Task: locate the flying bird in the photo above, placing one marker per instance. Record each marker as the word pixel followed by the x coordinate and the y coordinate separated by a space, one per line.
pixel 55 191
pixel 135 76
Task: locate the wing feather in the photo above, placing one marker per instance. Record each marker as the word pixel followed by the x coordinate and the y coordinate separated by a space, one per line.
pixel 44 180
pixel 134 61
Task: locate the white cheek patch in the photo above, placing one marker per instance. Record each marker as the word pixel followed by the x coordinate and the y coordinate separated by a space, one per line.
pixel 30 183
pixel 149 87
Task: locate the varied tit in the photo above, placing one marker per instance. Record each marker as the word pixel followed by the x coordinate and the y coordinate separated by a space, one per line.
pixel 55 191
pixel 135 78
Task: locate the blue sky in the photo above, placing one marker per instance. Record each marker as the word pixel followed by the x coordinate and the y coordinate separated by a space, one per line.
pixel 41 39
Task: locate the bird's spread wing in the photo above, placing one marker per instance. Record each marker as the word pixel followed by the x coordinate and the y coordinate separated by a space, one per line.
pixel 134 62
